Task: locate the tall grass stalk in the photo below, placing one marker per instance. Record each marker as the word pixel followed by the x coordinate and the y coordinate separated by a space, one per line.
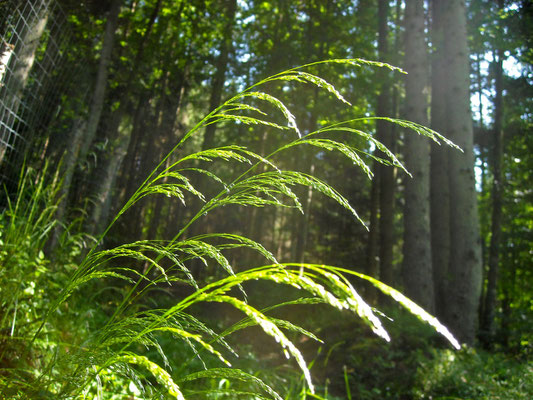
pixel 123 351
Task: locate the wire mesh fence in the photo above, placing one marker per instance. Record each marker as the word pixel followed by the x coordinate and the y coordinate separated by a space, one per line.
pixel 34 66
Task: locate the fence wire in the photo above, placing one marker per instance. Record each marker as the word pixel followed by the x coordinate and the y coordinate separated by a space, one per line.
pixel 34 38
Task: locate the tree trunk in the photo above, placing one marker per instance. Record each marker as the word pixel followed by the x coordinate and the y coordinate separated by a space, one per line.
pixel 417 271
pixel 6 51
pixel 372 250
pixel 487 319
pixel 383 133
pixel 97 102
pixel 509 294
pixel 123 135
pixel 18 58
pixel 217 89
pixel 303 220
pixel 103 194
pixel 168 113
pixel 221 68
pixel 84 130
pixel 386 173
pixel 465 245
pixel 439 193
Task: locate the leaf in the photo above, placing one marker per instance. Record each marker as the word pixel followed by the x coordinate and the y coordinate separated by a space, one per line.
pixel 197 338
pixel 162 376
pixel 278 104
pixel 235 374
pixel 408 304
pixel 301 76
pixel 325 189
pixel 380 146
pixel 420 129
pixel 238 241
pixel 245 120
pixel 328 144
pixel 225 153
pixel 270 329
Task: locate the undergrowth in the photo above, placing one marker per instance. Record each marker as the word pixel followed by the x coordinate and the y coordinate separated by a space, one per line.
pixel 87 330
pixel 473 374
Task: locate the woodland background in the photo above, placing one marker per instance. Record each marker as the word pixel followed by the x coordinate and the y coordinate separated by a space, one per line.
pixel 456 237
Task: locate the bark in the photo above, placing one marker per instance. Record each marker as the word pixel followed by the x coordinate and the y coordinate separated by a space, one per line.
pixel 19 59
pixel 372 250
pixel 386 173
pixel 133 170
pixel 97 102
pixel 320 16
pixel 417 270
pixel 217 89
pixel 102 197
pixel 487 327
pixel 439 191
pixel 509 293
pixel 167 116
pixel 123 137
pixel 256 218
pixel 483 149
pixel 465 245
pixel 221 68
pixel 382 132
pixel 84 130
pixel 303 221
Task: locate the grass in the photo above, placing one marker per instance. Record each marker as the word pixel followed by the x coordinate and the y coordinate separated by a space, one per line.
pixel 91 332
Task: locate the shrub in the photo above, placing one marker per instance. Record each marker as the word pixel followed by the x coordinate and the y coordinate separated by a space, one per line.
pixel 473 374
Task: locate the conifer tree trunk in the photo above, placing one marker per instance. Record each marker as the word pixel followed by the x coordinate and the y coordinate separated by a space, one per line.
pixel 303 221
pixel 102 196
pixel 121 138
pixel 221 68
pixel 465 245
pixel 19 59
pixel 383 133
pixel 84 130
pixel 372 250
pixel 417 271
pixel 97 102
pixel 217 89
pixel 386 173
pixel 487 319
pixel 169 110
pixel 439 191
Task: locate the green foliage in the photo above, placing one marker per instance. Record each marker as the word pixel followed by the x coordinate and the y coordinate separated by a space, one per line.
pixel 30 283
pixel 414 365
pixel 473 374
pixel 355 363
pixel 71 347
